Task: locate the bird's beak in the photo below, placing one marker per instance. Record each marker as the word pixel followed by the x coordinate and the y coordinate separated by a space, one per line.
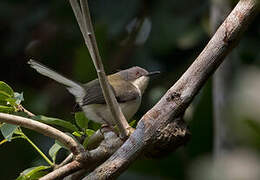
pixel 153 73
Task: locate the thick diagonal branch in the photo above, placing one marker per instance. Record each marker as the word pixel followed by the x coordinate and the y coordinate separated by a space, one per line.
pixel 179 96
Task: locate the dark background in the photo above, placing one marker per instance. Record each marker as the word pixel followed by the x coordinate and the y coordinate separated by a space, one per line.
pixel 172 35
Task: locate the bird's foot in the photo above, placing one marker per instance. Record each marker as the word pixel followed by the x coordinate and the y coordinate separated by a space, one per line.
pixel 105 128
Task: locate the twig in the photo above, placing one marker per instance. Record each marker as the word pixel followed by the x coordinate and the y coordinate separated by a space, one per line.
pixel 90 40
pixel 21 108
pixel 63 171
pixel 76 175
pixel 95 140
pixel 47 130
pixel 179 96
pixel 77 12
pixel 107 147
pixel 67 160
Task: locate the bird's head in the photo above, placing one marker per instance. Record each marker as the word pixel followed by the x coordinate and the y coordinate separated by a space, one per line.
pixel 138 76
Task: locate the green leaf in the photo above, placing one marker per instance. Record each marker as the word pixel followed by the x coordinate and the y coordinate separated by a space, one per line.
pixel 33 173
pixel 4 95
pixel 75 133
pixel 16 100
pixel 93 125
pixel 81 120
pixel 6 88
pixel 56 121
pixel 3 102
pixel 54 150
pixel 8 130
pixel 132 123
pixel 89 133
pixel 11 101
pixel 6 109
pixel 60 144
pixel 85 142
pixel 18 97
pixel 19 131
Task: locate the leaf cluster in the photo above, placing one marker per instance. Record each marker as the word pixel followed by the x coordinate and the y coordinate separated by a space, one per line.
pixel 10 102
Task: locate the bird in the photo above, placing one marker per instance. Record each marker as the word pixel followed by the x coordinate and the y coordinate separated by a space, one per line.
pixel 127 85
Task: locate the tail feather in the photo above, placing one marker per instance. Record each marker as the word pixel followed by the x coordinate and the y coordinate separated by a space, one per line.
pixel 73 87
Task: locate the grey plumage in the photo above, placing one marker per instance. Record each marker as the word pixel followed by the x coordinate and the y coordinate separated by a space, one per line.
pixel 94 94
pixel 127 85
pixel 89 93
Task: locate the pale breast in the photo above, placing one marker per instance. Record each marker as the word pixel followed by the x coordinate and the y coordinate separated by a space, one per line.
pixel 101 114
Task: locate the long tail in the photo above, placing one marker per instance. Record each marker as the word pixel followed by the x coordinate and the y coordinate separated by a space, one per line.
pixel 73 87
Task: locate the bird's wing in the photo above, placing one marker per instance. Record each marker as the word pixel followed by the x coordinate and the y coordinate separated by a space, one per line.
pixel 94 94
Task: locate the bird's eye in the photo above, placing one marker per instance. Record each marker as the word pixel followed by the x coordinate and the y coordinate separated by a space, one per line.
pixel 137 73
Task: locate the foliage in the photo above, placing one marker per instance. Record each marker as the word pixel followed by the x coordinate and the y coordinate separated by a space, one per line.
pixel 33 173
pixel 9 100
pixel 12 101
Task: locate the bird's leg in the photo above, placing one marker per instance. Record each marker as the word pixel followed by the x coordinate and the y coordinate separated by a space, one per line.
pixel 105 128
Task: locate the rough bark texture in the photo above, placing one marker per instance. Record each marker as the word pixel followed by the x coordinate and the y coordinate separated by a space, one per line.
pixel 167 139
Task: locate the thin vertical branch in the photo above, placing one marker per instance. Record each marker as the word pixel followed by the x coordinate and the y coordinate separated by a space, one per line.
pixel 77 12
pixel 90 40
